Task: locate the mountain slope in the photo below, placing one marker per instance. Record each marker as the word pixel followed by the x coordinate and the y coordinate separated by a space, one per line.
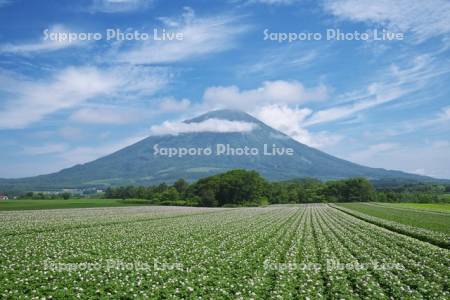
pixel 137 164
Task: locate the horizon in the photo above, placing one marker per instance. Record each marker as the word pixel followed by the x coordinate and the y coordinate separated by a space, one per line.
pixel 376 93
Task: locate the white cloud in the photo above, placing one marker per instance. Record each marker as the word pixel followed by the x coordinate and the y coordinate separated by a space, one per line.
pixel 44 45
pixel 201 36
pixel 396 83
pixel 271 92
pixel 173 105
pixel 438 120
pixel 290 121
pixel 71 133
pixel 75 155
pixel 282 118
pixel 38 99
pixel 210 125
pixel 429 158
pixel 371 151
pixel 119 6
pixel 30 101
pixel 276 104
pixel 30 167
pixel 137 81
pixel 5 2
pixel 42 134
pixel 424 19
pixel 377 95
pixel 420 171
pixel 279 60
pixel 444 115
pixel 125 114
pixel 83 154
pixel 51 148
pixel 107 115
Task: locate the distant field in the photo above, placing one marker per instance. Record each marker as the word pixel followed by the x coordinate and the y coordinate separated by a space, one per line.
pixel 71 203
pixel 437 207
pixel 412 216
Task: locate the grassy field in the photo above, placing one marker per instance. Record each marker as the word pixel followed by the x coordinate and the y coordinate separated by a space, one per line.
pixel 276 252
pixel 421 218
pixel 437 207
pixel 70 203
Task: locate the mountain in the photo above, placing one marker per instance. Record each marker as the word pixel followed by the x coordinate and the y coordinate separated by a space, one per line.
pixel 138 164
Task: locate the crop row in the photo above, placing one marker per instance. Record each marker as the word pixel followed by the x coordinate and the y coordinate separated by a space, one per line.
pixel 437 238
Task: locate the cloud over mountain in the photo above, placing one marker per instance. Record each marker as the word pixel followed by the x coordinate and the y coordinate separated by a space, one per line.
pixel 209 125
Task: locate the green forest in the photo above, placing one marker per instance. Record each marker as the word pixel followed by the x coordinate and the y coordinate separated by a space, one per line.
pixel 248 188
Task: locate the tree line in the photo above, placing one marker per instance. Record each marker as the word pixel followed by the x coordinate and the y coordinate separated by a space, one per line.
pixel 248 188
pixel 46 196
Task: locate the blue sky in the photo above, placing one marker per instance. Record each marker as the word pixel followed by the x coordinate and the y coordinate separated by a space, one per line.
pixel 381 103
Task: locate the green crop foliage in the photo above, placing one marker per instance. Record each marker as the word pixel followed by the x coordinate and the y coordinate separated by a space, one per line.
pixel 311 251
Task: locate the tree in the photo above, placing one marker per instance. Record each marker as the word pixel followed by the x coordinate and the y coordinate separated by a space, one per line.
pixel 110 193
pixel 277 193
pixel 140 192
pixel 181 186
pixel 349 190
pixel 236 187
pixel 208 198
pixel 170 195
pixel 161 187
pixel 358 189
